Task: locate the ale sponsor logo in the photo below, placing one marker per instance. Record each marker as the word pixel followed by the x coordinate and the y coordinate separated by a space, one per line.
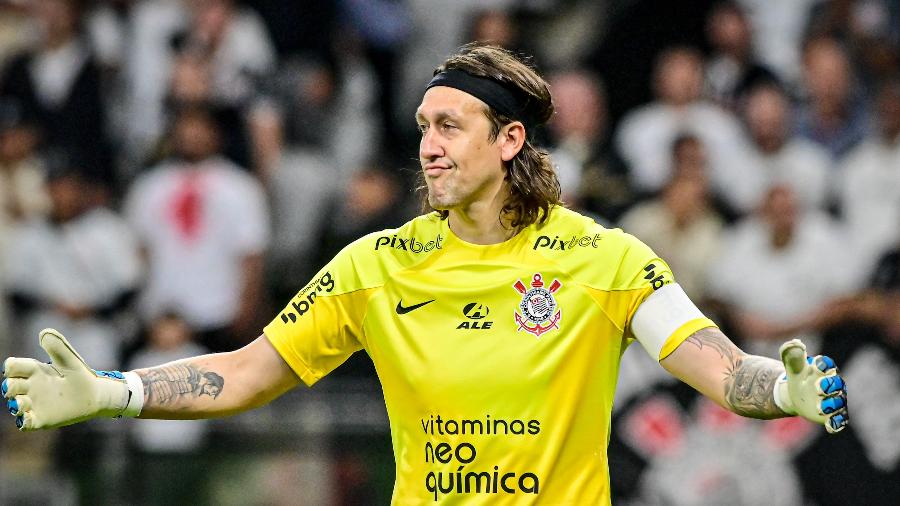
pixel 475 312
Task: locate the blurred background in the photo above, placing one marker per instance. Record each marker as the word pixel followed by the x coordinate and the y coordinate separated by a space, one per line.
pixel 173 171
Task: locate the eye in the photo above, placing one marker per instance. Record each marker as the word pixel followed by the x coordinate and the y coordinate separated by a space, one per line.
pixel 422 128
pixel 449 126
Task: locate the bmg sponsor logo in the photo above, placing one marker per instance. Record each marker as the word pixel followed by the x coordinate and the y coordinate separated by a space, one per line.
pixel 656 281
pixel 408 243
pixel 475 312
pixel 557 244
pixel 305 300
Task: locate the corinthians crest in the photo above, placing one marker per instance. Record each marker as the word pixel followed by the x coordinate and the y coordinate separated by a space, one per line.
pixel 539 313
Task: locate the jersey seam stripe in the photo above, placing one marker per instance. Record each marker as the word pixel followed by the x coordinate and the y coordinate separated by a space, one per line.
pixel 589 288
pixel 308 373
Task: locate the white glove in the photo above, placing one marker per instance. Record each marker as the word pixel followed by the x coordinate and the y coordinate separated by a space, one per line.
pixel 811 388
pixel 66 391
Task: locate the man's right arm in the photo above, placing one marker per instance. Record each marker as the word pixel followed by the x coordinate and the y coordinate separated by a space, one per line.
pixel 215 385
pixel 66 390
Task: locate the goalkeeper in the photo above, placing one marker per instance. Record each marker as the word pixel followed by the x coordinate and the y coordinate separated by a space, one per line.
pixel 495 323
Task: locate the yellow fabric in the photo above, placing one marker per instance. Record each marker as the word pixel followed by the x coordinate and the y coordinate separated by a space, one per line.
pixel 683 333
pixel 486 405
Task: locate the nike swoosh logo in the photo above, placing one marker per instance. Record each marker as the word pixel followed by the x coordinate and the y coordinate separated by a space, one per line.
pixel 403 310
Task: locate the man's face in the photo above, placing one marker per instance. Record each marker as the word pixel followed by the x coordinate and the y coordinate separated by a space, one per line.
pixel 461 163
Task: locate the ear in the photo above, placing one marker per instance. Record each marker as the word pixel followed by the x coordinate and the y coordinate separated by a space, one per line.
pixel 511 139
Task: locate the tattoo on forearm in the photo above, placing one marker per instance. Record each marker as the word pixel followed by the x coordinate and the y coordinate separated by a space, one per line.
pixel 169 383
pixel 713 338
pixel 749 387
pixel 749 380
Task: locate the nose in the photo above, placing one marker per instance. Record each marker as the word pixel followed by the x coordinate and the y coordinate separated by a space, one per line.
pixel 429 146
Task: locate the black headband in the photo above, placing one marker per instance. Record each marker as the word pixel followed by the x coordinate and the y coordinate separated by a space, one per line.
pixel 490 91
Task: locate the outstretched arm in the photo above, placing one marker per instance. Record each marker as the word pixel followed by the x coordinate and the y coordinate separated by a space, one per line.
pixel 216 385
pixel 760 387
pixel 66 390
pixel 717 368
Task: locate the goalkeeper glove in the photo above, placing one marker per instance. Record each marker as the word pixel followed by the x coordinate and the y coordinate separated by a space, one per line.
pixel 66 390
pixel 811 388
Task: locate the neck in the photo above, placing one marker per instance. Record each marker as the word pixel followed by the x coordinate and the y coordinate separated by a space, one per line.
pixel 480 222
pixel 781 237
pixel 55 41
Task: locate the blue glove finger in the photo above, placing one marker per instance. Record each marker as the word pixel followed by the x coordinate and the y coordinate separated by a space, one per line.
pixel 832 404
pixel 12 406
pixel 839 421
pixel 832 384
pixel 20 421
pixel 3 388
pixel 824 363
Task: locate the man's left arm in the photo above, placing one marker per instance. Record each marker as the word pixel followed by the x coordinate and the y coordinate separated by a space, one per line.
pixel 717 368
pixel 760 387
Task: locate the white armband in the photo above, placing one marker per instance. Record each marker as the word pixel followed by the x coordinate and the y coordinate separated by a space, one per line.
pixel 661 315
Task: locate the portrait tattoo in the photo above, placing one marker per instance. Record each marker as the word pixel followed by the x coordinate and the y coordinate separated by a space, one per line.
pixel 749 380
pixel 169 383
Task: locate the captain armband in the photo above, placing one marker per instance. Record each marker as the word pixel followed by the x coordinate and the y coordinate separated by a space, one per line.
pixel 665 319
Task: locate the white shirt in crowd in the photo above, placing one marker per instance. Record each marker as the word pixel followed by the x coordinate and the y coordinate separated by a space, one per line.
pixel 779 29
pixel 869 191
pixel 88 261
pixel 246 49
pixel 782 285
pixel 799 164
pixel 197 226
pixel 645 137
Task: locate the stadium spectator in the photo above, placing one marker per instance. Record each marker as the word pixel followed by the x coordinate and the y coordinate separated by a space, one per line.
pixel 231 38
pixel 22 194
pixel 682 224
pixel 58 82
pixel 868 182
pixel 192 85
pixel 382 27
pixel 779 30
pixel 868 29
pixel 293 135
pixel 778 155
pixel 591 177
pixel 776 267
pixel 77 269
pixel 646 133
pixel 833 113
pixel 204 225
pixel 732 68
pixel 162 445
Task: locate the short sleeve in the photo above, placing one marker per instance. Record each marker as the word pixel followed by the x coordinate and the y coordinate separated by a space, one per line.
pixel 641 272
pixel 659 314
pixel 322 325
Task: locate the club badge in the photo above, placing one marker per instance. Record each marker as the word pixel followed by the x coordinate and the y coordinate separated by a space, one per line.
pixel 539 313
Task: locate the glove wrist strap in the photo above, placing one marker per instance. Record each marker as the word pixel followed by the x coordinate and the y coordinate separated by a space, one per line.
pixel 782 396
pixel 135 395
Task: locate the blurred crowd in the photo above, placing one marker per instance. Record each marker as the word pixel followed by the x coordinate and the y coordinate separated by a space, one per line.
pixel 172 171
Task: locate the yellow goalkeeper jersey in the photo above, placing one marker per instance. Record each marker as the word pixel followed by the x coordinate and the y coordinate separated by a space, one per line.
pixel 498 362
